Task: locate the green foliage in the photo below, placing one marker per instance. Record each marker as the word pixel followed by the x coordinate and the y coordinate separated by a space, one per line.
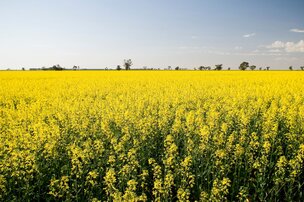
pixel 219 67
pixel 252 67
pixel 244 65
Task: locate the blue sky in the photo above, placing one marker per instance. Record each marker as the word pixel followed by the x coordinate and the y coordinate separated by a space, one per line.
pixel 153 33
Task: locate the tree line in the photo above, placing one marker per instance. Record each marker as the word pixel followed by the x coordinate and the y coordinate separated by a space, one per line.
pixel 127 64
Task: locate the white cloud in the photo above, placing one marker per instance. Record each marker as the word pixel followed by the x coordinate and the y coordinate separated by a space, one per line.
pixel 297 30
pixel 277 44
pixel 238 48
pixel 194 37
pixel 290 47
pixel 249 35
pixel 295 47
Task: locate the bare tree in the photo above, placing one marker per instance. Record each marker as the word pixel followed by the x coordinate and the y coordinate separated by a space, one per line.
pixel 127 64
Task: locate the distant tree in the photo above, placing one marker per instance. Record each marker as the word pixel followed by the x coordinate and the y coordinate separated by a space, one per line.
pixel 244 65
pixel 177 68
pixel 169 67
pixel 218 67
pixel 118 67
pixel 267 68
pixel 23 68
pixel 252 67
pixel 260 68
pixel 208 68
pixel 56 67
pixel 229 68
pixel 144 67
pixel 127 64
pixel 75 67
pixel 302 68
pixel 201 68
pixel 290 68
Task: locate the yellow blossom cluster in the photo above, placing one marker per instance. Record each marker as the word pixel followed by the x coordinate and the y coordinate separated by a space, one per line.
pixel 151 136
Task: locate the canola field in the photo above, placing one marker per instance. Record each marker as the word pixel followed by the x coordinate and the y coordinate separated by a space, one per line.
pixel 152 136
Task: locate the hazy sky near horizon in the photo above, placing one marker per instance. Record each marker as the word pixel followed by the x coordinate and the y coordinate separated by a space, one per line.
pixel 153 33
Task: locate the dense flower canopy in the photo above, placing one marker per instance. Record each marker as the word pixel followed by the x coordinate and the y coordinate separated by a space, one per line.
pixel 151 135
